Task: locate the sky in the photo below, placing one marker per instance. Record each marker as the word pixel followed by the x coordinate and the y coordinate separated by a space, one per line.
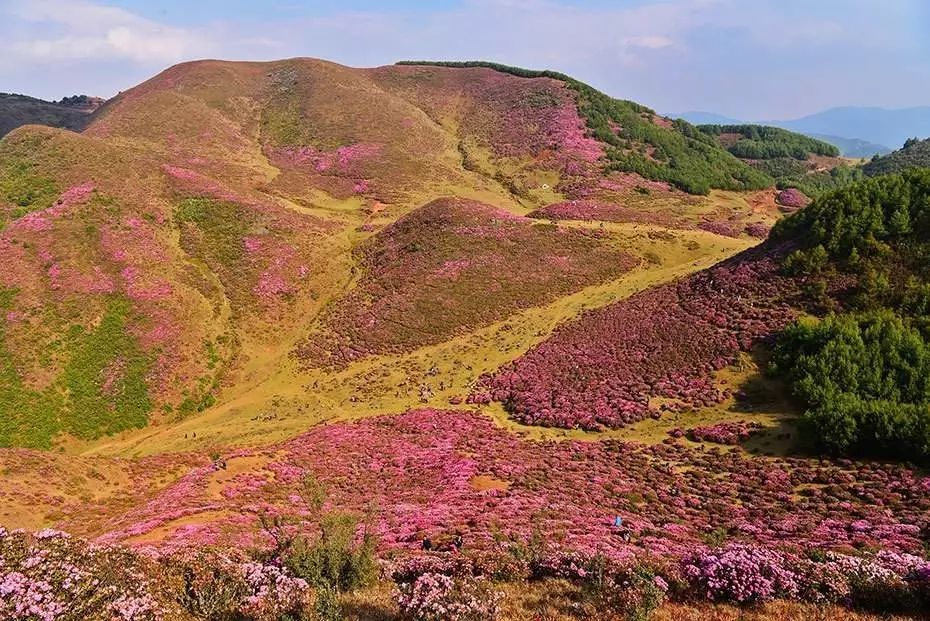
pixel 747 59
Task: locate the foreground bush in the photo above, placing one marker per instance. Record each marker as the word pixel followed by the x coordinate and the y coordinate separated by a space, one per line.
pixel 746 574
pixel 438 597
pixel 51 576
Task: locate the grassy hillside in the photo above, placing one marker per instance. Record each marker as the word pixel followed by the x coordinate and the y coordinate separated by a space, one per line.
pixel 640 141
pixel 220 214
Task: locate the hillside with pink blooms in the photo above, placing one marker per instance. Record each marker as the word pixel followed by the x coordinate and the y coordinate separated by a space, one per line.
pixel 293 341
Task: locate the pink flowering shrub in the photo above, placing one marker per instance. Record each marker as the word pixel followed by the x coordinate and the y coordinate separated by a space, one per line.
pixel 719 227
pixel 440 597
pixel 740 574
pixel 51 577
pixel 758 230
pixel 746 574
pixel 219 584
pixel 791 199
pixel 602 369
pixel 724 433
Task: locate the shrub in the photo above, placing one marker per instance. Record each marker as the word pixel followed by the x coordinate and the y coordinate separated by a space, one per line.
pixel 336 560
pixel 740 574
pixel 327 606
pixel 634 594
pixel 50 575
pixel 438 597
pixel 215 586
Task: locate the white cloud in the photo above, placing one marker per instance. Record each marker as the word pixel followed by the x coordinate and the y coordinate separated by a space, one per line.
pixel 758 59
pixel 652 42
pixel 64 30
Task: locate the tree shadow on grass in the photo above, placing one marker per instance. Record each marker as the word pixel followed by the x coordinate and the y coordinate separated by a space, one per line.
pixel 762 393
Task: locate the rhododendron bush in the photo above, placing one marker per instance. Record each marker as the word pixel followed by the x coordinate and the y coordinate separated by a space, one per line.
pixel 720 433
pixel 604 368
pixel 50 576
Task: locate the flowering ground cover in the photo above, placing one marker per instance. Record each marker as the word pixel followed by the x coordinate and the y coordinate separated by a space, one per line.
pixel 715 524
pixel 452 266
pixel 435 474
pixel 606 368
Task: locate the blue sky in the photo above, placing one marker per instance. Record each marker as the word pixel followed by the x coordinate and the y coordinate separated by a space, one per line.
pixel 750 59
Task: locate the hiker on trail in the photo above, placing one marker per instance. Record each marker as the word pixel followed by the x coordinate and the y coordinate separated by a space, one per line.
pixel 618 522
pixel 427 544
pixel 458 542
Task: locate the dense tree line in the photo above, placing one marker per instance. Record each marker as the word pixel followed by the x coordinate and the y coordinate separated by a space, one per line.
pixel 761 142
pixel 681 155
pixel 864 375
pixel 862 221
pixel 864 380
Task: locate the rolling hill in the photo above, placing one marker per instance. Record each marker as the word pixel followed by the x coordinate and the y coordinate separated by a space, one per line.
pixel 914 154
pixel 283 338
pixel 69 113
pixel 204 218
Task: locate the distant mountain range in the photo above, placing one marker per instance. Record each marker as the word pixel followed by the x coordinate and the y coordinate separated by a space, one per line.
pixel 857 131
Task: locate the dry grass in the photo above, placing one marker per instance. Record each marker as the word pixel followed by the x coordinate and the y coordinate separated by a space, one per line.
pixel 554 600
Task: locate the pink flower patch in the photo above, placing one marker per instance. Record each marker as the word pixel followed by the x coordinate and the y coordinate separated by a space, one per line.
pixel 252 244
pixel 270 286
pixel 452 269
pixel 75 194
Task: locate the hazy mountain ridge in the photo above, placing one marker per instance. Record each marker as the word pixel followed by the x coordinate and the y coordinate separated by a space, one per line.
pixel 857 131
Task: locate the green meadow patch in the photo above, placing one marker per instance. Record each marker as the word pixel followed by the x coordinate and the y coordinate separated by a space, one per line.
pixel 23 188
pixel 101 390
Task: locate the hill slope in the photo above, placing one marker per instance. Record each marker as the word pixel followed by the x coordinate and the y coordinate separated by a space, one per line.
pixel 859 247
pixel 914 154
pixel 206 220
pixel 70 113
